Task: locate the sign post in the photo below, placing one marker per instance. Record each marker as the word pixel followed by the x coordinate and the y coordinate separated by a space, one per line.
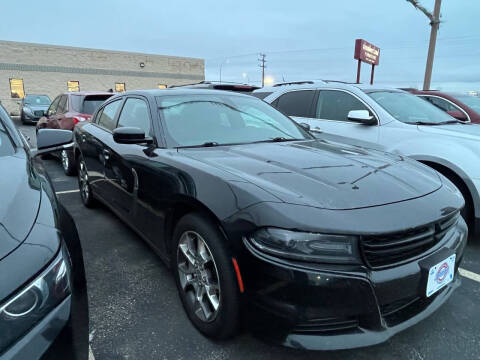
pixel 368 53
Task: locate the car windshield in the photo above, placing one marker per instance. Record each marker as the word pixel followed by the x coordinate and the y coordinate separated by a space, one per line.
pixel 37 100
pixel 411 109
pixel 471 101
pixel 209 120
pixel 88 104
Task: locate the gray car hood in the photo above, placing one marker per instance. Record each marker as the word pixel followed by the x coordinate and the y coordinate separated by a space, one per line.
pixel 323 174
pixel 462 131
pixel 19 202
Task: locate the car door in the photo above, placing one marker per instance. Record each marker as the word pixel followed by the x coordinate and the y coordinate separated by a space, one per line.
pixel 52 110
pixel 59 116
pixel 331 121
pixel 93 140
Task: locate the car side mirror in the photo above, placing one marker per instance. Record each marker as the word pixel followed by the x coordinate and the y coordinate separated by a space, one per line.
pixel 130 135
pixel 50 140
pixel 458 115
pixel 362 117
pixel 305 126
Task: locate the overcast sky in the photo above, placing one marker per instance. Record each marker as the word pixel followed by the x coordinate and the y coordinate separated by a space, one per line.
pixel 302 39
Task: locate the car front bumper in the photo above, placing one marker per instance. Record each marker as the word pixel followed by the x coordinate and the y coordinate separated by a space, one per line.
pixel 38 340
pixel 330 307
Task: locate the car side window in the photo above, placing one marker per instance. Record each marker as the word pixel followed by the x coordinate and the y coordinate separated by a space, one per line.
pixel 296 103
pixel 107 115
pixel 335 105
pixel 52 110
pixel 62 105
pixel 135 113
pixel 441 103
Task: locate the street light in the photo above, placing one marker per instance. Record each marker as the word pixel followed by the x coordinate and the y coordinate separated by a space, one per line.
pixel 269 80
pixel 245 76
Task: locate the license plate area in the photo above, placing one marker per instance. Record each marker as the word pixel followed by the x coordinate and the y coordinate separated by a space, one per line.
pixel 440 275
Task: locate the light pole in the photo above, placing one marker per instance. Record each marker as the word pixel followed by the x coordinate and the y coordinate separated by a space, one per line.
pixel 225 61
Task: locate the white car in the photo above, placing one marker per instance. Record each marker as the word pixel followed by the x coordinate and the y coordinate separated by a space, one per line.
pixel 390 120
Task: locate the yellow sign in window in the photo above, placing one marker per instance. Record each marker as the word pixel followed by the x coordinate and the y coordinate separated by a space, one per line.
pixel 16 88
pixel 162 86
pixel 73 85
pixel 119 87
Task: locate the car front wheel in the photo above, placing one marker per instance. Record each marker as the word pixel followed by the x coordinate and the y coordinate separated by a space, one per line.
pixel 205 277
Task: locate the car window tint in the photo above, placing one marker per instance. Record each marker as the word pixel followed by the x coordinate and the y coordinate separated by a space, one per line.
pixel 53 106
pixel 107 116
pixel 92 103
pixel 296 103
pixel 62 105
pixel 335 105
pixel 135 114
pixel 441 103
pixel 261 95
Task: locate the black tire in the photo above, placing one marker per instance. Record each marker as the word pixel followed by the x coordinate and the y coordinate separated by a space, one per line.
pixel 22 119
pixel 86 194
pixel 468 210
pixel 226 322
pixel 68 162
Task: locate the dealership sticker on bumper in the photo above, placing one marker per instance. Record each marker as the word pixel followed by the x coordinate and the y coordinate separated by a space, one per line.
pixel 440 275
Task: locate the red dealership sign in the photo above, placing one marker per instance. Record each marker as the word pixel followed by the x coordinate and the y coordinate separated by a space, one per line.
pixel 366 52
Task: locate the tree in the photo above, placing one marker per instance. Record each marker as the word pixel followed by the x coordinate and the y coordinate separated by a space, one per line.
pixel 435 24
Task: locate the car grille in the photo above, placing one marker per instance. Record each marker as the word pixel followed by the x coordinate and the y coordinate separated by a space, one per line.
pixel 327 326
pixel 38 113
pixel 382 251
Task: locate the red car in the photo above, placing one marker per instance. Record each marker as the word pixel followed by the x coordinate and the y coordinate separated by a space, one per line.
pixel 67 110
pixel 463 107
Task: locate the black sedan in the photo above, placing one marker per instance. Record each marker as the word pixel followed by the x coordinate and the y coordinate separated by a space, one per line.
pixel 312 244
pixel 43 296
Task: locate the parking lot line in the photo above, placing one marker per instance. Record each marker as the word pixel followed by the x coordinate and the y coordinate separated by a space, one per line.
pixel 469 274
pixel 66 192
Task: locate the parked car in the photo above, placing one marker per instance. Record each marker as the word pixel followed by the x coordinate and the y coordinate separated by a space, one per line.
pixel 66 111
pixel 43 294
pixel 390 120
pixel 463 107
pixel 217 85
pixel 33 107
pixel 317 245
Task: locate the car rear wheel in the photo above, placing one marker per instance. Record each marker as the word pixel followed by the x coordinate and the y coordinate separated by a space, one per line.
pixel 84 185
pixel 205 277
pixel 68 162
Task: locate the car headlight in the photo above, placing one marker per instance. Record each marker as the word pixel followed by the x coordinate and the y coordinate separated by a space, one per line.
pixel 27 110
pixel 34 301
pixel 304 246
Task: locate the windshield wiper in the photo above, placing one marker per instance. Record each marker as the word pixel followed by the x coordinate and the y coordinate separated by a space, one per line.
pixel 434 123
pixel 205 144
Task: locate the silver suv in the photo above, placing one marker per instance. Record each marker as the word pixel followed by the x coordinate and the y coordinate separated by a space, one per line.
pixel 390 120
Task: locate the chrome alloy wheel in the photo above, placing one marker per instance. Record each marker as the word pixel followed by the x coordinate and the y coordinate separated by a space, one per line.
pixel 83 181
pixel 65 161
pixel 198 276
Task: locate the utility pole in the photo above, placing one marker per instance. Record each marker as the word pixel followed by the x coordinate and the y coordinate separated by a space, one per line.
pixel 263 66
pixel 435 24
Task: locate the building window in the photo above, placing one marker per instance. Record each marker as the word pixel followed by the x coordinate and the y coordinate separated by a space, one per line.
pixel 162 86
pixel 119 87
pixel 73 85
pixel 16 88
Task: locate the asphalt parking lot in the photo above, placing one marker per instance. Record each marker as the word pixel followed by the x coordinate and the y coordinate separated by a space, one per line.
pixel 135 312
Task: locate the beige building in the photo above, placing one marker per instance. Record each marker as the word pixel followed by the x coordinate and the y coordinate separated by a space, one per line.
pixel 27 68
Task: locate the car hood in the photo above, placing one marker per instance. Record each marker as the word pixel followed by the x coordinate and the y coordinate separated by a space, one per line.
pixel 463 131
pixel 37 107
pixel 323 174
pixel 19 202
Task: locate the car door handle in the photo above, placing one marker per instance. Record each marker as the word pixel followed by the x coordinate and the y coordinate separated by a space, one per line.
pixel 106 154
pixel 316 129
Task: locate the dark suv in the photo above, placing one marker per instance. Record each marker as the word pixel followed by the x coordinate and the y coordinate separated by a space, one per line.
pixel 66 111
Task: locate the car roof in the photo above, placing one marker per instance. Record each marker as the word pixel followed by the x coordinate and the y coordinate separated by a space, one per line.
pixel 84 93
pixel 181 91
pixel 318 84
